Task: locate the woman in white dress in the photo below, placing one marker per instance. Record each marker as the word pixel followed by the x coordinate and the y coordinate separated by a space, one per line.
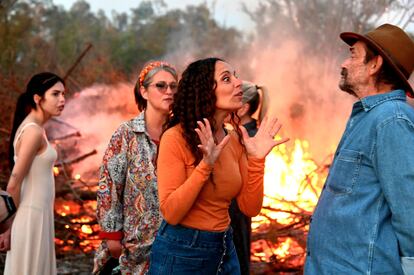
pixel 30 242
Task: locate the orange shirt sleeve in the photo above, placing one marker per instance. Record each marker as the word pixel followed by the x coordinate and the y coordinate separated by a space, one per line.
pixel 177 193
pixel 250 198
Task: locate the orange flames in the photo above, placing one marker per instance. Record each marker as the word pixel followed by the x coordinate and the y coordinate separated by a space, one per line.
pixel 80 222
pixel 292 185
pixel 56 171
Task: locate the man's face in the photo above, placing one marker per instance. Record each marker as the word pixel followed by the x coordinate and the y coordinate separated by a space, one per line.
pixel 354 70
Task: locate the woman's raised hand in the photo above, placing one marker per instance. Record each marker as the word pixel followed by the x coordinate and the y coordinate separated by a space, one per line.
pixel 208 146
pixel 263 142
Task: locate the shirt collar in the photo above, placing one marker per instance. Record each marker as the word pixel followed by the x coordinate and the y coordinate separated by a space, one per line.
pixel 138 123
pixel 371 102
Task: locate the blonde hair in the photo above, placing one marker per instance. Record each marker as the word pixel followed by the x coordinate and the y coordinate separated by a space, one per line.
pixel 250 92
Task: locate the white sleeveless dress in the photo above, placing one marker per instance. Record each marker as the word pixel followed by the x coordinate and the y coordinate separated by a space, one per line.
pixel 32 235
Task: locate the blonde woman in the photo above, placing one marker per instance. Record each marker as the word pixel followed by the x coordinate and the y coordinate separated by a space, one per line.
pixel 253 96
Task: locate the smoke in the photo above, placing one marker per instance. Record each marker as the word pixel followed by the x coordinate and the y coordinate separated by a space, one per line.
pixel 96 112
pixel 303 87
pixel 303 91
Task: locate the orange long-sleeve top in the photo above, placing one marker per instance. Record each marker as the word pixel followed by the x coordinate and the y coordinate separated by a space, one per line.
pixel 187 193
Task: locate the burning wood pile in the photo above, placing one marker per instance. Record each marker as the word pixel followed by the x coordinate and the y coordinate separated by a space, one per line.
pixel 76 228
pixel 293 181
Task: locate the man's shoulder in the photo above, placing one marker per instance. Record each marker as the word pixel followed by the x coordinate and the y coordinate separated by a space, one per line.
pixel 392 111
pixel 395 108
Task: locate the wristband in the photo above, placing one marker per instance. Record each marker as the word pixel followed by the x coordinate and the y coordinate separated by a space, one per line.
pixel 11 207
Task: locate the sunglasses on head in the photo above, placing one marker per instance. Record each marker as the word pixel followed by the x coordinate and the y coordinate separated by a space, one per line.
pixel 162 86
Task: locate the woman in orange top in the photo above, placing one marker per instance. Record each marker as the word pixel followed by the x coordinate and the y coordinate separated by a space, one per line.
pixel 202 167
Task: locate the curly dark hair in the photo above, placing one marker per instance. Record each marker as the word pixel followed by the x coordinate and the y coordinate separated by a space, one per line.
pixel 195 99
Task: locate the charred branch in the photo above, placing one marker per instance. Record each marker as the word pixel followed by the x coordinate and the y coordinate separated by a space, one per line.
pixel 77 61
pixel 75 134
pixel 77 159
pixel 3 130
pixel 59 121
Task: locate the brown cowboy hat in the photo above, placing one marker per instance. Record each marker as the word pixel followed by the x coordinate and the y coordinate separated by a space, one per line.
pixel 393 44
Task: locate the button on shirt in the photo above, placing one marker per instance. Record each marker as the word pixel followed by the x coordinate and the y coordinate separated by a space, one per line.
pixel 364 220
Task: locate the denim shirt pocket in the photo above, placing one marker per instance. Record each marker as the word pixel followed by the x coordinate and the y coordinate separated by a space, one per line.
pixel 344 172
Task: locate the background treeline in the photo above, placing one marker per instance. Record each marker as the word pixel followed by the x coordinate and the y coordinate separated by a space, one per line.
pixel 37 35
pixel 40 35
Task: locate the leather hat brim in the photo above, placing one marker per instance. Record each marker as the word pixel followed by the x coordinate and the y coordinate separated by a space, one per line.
pixel 351 38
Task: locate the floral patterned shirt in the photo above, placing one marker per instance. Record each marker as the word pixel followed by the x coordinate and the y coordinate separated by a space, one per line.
pixel 127 198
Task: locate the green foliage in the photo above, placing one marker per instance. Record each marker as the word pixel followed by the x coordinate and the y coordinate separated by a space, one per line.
pixel 41 36
pixel 38 35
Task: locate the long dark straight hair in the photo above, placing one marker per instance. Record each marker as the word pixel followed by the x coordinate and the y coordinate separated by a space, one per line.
pixel 37 85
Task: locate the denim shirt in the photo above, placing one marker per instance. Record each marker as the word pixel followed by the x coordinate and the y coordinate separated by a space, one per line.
pixel 364 220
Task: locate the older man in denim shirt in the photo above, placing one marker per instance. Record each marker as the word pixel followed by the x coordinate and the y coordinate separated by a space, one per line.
pixel 364 220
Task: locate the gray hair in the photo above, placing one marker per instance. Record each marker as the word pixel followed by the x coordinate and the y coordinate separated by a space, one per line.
pixel 162 67
pixel 147 74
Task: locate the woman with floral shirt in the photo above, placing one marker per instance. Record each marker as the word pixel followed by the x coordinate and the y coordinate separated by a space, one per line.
pixel 128 208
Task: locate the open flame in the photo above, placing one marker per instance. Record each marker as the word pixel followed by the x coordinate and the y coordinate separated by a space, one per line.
pixel 87 229
pixel 292 184
pixel 55 170
pixel 80 225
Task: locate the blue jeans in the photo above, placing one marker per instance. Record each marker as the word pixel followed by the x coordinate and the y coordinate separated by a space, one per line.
pixel 180 250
